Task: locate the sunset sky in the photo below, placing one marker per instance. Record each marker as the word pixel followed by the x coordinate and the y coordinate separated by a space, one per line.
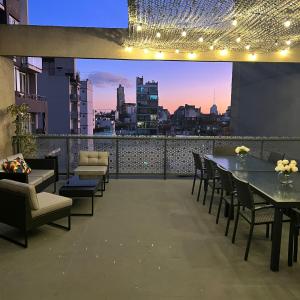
pixel 179 82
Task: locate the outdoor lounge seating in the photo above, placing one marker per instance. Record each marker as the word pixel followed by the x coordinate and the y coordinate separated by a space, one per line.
pixel 43 172
pixel 93 164
pixel 22 208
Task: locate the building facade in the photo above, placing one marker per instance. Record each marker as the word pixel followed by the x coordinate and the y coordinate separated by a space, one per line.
pixel 87 118
pixel 26 70
pixel 120 98
pixel 60 83
pixel 147 107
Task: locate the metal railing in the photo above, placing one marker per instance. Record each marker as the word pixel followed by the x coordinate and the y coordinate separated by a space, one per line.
pixel 156 155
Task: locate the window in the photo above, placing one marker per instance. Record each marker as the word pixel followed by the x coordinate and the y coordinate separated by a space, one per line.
pixel 12 20
pixel 22 83
pixel 153 97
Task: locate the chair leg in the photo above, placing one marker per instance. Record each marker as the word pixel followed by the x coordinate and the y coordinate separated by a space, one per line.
pixel 235 225
pixel 212 197
pixel 249 240
pixel 194 184
pixel 267 230
pixel 205 191
pixel 296 234
pixel 230 215
pixel 291 242
pixel 54 188
pixel 219 208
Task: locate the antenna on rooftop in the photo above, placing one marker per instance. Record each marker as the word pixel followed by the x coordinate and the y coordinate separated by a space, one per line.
pixel 214 100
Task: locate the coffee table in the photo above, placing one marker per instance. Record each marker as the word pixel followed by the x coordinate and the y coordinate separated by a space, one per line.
pixel 78 187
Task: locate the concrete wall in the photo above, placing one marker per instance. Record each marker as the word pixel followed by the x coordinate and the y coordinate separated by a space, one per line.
pixel 7 97
pixel 265 99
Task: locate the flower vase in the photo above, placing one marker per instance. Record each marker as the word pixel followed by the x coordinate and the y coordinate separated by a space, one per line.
pixel 285 178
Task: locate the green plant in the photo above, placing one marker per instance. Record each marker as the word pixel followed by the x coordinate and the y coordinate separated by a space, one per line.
pixel 24 141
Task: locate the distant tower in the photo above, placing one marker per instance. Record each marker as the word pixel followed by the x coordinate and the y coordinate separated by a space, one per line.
pixel 214 108
pixel 120 98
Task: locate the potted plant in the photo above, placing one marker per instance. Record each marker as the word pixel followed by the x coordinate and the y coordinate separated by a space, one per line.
pixel 23 141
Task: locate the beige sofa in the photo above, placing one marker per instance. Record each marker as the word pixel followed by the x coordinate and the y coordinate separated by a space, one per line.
pixel 42 175
pixel 21 207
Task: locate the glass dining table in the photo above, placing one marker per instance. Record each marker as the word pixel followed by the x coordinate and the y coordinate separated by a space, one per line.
pixel 262 177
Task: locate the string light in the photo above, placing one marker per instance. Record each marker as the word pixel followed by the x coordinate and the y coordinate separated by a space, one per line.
pixel 211 47
pixel 234 22
pixel 288 42
pixel 183 33
pixel 128 49
pixel 158 35
pixel 201 39
pixel 146 51
pixel 238 40
pixel 247 47
pixel 252 56
pixel 192 55
pixel 159 55
pixel 284 52
pixel 177 51
pixel 139 27
pixel 287 23
pixel 224 52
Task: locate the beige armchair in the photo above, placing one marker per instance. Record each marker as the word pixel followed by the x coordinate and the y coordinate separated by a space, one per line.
pixel 21 207
pixel 93 164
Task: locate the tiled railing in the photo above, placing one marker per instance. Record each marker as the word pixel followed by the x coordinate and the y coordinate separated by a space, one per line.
pixel 156 155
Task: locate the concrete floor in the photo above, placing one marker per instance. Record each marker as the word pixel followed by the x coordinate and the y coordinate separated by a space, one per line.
pixel 148 239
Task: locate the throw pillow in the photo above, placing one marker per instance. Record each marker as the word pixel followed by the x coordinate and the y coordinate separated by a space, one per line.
pixel 17 165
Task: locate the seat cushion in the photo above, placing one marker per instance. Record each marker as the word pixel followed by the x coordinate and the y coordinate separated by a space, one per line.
pixel 45 174
pixel 49 203
pixel 34 180
pixel 91 170
pixel 13 157
pixel 93 158
pixel 28 190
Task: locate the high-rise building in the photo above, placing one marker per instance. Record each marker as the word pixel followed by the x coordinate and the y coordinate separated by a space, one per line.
pixel 214 110
pixel 120 98
pixel 147 107
pixel 60 83
pixel 26 69
pixel 87 119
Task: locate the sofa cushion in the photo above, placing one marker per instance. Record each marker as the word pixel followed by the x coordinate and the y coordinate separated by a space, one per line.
pixel 1 164
pixel 28 190
pixel 45 174
pixel 93 158
pixel 17 165
pixel 34 180
pixel 91 170
pixel 49 203
pixel 12 157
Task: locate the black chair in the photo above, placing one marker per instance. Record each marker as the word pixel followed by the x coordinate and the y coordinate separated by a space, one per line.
pixel 254 215
pixel 212 180
pixel 228 194
pixel 275 156
pixel 224 150
pixel 199 173
pixel 293 236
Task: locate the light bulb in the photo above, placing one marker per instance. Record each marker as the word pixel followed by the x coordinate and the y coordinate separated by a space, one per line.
pixel 183 33
pixel 139 27
pixel 128 49
pixel 247 47
pixel 159 55
pixel 146 51
pixel 224 52
pixel 211 47
pixel 288 42
pixel 238 40
pixel 287 23
pixel 201 39
pixel 177 51
pixel 192 55
pixel 234 22
pixel 284 52
pixel 158 35
pixel 252 56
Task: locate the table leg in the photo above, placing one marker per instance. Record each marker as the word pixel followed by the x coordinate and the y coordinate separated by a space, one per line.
pixel 276 240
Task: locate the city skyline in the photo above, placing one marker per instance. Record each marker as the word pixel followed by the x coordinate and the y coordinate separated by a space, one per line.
pixel 179 82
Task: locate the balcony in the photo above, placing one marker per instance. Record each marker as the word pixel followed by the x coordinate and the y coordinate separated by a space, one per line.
pixel 33 63
pixel 36 103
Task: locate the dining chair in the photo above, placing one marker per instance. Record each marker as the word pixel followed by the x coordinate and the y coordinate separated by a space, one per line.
pixel 293 236
pixel 212 180
pixel 228 195
pixel 224 150
pixel 275 156
pixel 199 173
pixel 262 214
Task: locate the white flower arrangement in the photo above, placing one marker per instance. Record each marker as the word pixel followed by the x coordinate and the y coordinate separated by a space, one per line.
pixel 241 150
pixel 285 166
